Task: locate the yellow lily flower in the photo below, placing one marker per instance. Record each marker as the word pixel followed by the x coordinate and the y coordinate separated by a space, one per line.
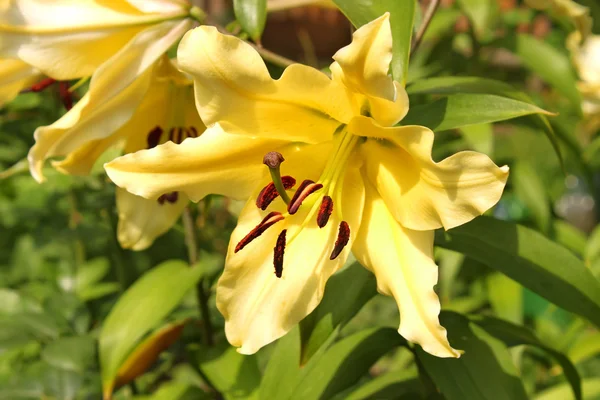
pixel 586 58
pixel 15 75
pixel 578 14
pixel 67 39
pixel 158 107
pixel 367 185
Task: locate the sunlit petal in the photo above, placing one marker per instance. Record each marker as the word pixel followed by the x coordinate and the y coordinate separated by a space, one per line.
pixel 402 261
pixel 116 90
pixel 420 193
pixel 259 307
pixel 15 75
pixel 160 6
pixel 141 220
pixel 234 89
pixel 363 67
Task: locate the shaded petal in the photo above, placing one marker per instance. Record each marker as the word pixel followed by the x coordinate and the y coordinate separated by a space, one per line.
pixel 587 60
pixel 363 67
pixel 141 220
pixel 402 261
pixel 68 39
pixel 216 162
pixel 15 75
pixel 420 193
pixel 234 89
pixel 259 307
pixel 160 6
pixel 116 90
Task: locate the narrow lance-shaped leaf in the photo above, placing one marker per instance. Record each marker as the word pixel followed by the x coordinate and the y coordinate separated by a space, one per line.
pixel 460 110
pixel 402 12
pixel 140 309
pixel 531 259
pixel 252 15
pixel 514 335
pixel 485 371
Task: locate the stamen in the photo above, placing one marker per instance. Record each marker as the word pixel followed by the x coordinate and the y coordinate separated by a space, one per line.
pixel 342 240
pixel 267 222
pixel 153 138
pixel 278 253
pixel 305 189
pixel 192 132
pixel 169 198
pixel 65 95
pixel 269 192
pixel 324 211
pixel 41 85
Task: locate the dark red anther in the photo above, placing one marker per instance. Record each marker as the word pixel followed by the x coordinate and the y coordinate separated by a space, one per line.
pixel 267 222
pixel 171 198
pixel 41 85
pixel 192 132
pixel 269 193
pixel 342 240
pixel 153 138
pixel 278 253
pixel 305 189
pixel 65 95
pixel 324 211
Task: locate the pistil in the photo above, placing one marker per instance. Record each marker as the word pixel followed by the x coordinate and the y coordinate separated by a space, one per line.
pixel 273 160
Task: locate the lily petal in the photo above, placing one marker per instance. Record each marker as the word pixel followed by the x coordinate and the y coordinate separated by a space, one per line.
pixel 68 39
pixel 116 90
pixel 259 307
pixel 420 193
pixel 15 75
pixel 234 89
pixel 141 220
pixel 160 6
pixel 363 67
pixel 216 162
pixel 402 261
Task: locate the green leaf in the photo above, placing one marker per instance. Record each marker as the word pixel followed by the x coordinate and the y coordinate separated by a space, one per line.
pixel 91 272
pixel 479 137
pixel 345 294
pixel 485 371
pixel 141 308
pixel 551 65
pixel 345 362
pixel 252 15
pixel 531 259
pixel 569 236
pixel 175 391
pixel 391 385
pixel 458 110
pixel 514 335
pixel 71 353
pixel 506 297
pixel 477 85
pixel 402 12
pixel 283 367
pixel 592 250
pixel 531 190
pixel 585 348
pixel 591 390
pixel 234 375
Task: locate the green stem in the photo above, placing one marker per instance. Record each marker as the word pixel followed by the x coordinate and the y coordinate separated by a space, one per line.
pixel 201 294
pixel 276 177
pixel 431 9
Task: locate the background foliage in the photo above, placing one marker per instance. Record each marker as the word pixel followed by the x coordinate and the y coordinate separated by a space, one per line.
pixel 80 317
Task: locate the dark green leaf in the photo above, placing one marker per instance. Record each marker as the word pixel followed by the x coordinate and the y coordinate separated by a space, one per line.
pixel 531 190
pixel 459 110
pixel 514 335
pixel 402 12
pixel 531 259
pixel 481 13
pixel 391 385
pixel 485 371
pixel 282 371
pixel 252 15
pixel 591 390
pixel 345 362
pixel 345 294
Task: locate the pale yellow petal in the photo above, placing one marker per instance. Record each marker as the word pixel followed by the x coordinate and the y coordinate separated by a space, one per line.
pixel 587 61
pixel 116 90
pixel 259 307
pixel 234 89
pixel 420 193
pixel 402 261
pixel 15 75
pixel 141 220
pixel 363 68
pixel 216 162
pixel 66 39
pixel 160 6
